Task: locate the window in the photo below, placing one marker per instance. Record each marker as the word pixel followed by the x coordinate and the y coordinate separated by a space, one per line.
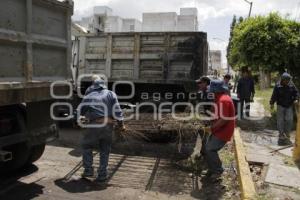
pixel 131 27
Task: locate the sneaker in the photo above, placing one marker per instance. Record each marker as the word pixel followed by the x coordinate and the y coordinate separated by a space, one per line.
pixel 284 142
pixel 87 174
pixel 101 179
pixel 211 174
pixel 215 177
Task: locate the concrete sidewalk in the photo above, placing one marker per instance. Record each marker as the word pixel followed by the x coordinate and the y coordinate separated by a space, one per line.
pixel 274 172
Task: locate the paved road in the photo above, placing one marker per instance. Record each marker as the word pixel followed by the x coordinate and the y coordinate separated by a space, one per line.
pixel 57 176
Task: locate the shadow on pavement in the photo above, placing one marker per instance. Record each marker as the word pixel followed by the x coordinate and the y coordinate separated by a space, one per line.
pixel 12 188
pixel 208 189
pixel 79 186
pixel 23 191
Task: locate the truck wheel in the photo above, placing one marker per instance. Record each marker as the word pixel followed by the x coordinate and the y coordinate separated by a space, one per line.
pixel 20 151
pixel 35 153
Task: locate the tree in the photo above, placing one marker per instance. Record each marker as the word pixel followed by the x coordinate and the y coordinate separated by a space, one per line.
pixel 232 26
pixel 265 44
pixel 233 23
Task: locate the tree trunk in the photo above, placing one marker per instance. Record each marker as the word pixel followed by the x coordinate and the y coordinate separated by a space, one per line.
pixel 268 79
pixel 262 84
pixel 265 79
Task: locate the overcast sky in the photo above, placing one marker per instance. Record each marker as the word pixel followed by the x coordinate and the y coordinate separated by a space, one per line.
pixel 214 16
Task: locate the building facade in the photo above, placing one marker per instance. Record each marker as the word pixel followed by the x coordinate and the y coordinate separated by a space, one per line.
pixel 103 20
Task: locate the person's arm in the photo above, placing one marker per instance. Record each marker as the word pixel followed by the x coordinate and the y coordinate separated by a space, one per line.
pixel 296 94
pixel 273 97
pixel 238 90
pixel 218 124
pixel 225 116
pixel 83 109
pixel 117 111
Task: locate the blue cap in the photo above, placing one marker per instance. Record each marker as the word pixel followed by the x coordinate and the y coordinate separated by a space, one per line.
pixel 217 86
pixel 99 84
pixel 286 76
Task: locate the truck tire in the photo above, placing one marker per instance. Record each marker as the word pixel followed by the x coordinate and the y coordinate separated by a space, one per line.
pixel 35 153
pixel 20 151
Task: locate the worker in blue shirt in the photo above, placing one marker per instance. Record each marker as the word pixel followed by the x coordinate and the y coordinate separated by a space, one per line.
pixel 101 108
pixel 285 94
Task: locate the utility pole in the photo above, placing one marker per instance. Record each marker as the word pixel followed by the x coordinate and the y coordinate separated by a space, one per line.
pixel 250 10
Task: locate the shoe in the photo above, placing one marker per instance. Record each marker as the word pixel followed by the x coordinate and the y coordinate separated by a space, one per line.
pixel 101 179
pixel 284 142
pixel 215 177
pixel 87 174
pixel 211 174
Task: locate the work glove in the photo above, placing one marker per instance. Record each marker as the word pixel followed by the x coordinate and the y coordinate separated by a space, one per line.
pixel 83 120
pixel 121 127
pixel 207 129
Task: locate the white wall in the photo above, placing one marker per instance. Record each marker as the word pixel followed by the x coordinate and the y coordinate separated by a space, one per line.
pixel 159 22
pixel 131 25
pixel 216 59
pixel 113 24
pixel 103 20
pixel 187 23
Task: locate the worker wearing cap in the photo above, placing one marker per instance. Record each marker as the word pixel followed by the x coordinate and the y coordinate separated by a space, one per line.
pixel 226 80
pixel 222 127
pixel 100 107
pixel 203 85
pixel 284 95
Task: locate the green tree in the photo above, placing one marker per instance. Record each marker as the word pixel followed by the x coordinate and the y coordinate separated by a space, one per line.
pixel 265 44
pixel 233 23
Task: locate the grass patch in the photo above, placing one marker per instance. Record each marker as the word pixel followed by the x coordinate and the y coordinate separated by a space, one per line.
pixel 264 98
pixel 263 197
pixel 227 155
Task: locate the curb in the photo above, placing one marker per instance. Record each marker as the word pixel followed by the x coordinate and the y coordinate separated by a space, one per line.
pixel 245 179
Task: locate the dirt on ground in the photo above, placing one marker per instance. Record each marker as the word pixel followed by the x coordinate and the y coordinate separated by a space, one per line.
pixel 137 170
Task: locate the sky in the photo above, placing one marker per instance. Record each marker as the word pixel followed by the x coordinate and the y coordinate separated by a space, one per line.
pixel 214 16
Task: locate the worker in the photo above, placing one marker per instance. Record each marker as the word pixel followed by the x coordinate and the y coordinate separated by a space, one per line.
pixel 284 95
pixel 104 108
pixel 221 129
pixel 203 97
pixel 245 92
pixel 227 78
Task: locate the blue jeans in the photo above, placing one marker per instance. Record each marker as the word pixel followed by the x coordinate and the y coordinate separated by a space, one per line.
pixel 212 158
pixel 99 138
pixel 244 102
pixel 284 120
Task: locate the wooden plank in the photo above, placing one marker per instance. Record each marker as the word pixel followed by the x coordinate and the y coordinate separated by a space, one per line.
pixel 29 57
pixel 245 178
pixel 136 62
pixel 296 150
pixel 108 55
pixel 82 60
pixel 99 56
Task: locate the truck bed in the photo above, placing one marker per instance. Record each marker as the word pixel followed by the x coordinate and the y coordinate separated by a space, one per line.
pixel 145 57
pixel 35 48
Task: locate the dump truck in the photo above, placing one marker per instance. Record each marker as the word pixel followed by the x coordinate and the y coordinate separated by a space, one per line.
pixel 35 52
pixel 143 66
